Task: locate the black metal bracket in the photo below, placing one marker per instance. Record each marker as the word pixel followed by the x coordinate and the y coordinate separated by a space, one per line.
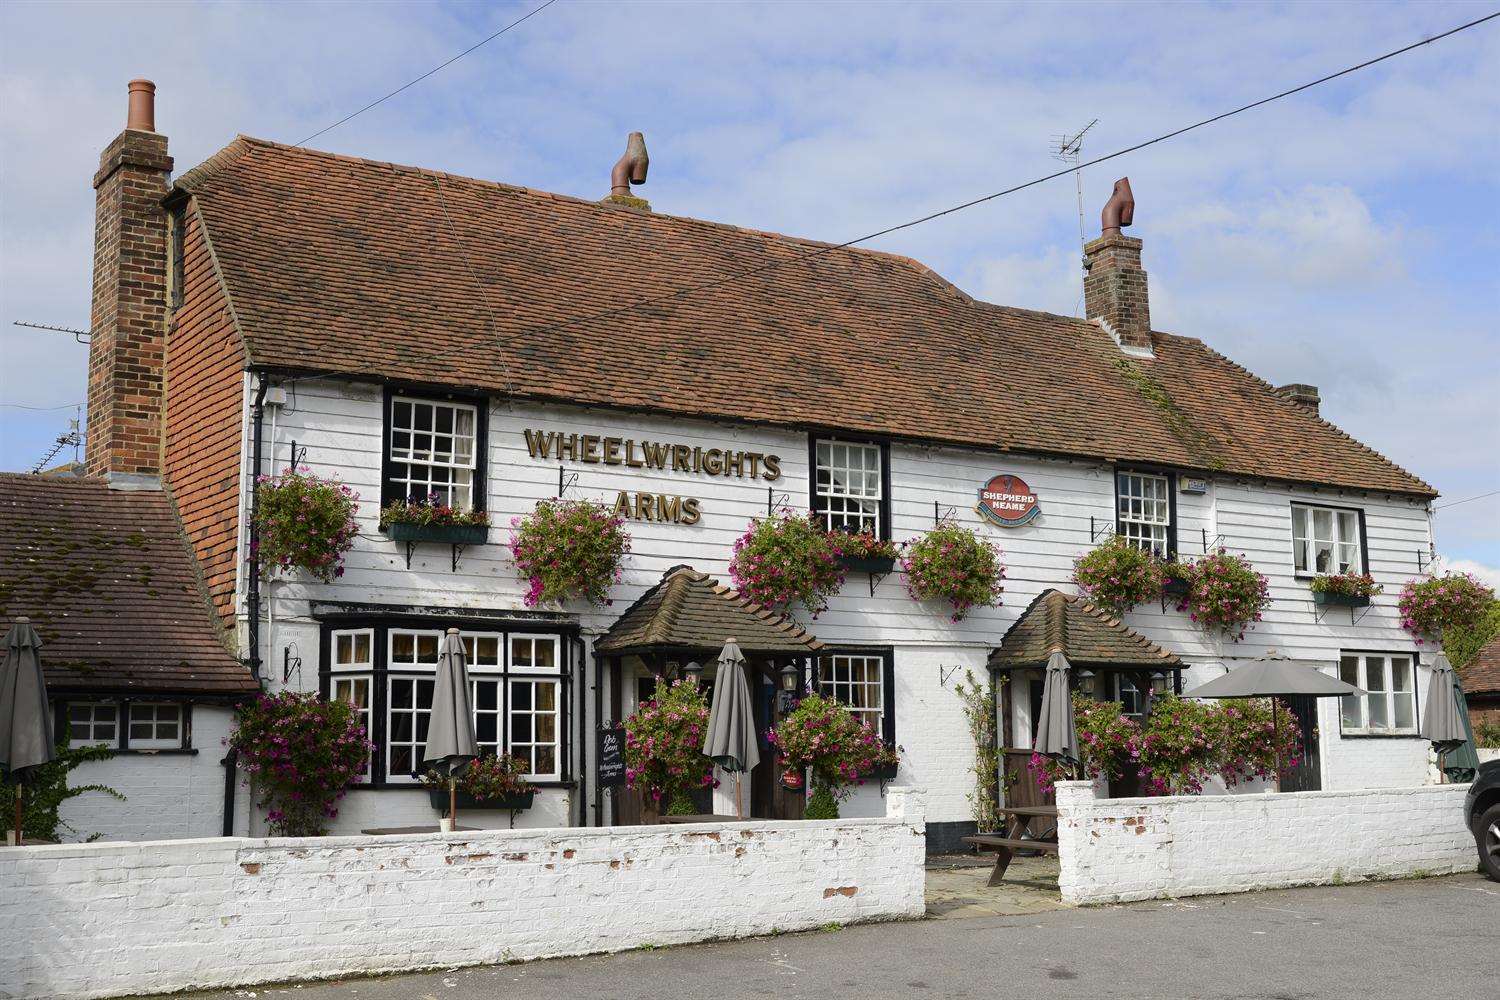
pixel 291 662
pixel 564 480
pixel 457 553
pixel 945 672
pixel 773 499
pixel 1218 540
pixel 1320 615
pixel 875 581
pixel 1421 560
pixel 941 513
pixel 299 455
pixel 1099 529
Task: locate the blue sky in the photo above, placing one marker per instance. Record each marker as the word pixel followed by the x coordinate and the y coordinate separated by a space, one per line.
pixel 1345 237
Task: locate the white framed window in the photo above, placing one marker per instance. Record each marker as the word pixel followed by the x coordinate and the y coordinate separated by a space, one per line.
pixel 848 486
pixel 1143 504
pixel 434 450
pixel 353 650
pixel 1326 540
pixel 858 683
pixel 1389 704
pixel 91 723
pixel 514 714
pixel 1123 689
pixel 356 691
pixel 533 725
pixel 154 725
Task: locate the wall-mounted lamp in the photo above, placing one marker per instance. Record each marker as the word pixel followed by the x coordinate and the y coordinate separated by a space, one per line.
pixel 787 698
pixel 693 672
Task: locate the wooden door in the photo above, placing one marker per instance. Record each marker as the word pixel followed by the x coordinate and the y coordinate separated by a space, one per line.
pixel 1307 775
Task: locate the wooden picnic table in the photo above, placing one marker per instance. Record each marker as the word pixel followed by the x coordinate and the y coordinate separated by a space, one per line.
pixel 1005 846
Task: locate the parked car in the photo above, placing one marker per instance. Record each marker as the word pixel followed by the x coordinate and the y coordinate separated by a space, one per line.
pixel 1482 811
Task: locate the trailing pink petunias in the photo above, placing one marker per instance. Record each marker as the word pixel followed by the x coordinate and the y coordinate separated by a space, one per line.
pixel 1430 607
pixel 569 549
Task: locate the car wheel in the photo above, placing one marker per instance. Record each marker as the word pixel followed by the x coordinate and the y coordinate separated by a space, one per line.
pixel 1487 833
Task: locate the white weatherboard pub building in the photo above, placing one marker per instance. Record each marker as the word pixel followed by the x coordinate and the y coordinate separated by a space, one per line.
pixel 408 332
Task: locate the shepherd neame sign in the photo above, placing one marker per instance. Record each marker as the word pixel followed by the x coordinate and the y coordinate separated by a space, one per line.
pixel 662 456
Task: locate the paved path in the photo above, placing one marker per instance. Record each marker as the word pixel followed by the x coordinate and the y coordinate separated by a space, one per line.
pixel 1434 939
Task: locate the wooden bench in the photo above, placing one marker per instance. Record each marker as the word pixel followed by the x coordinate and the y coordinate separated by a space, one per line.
pixel 1005 847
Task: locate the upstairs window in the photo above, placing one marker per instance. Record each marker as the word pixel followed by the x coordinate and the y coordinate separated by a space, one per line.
pixel 1326 540
pixel 155 726
pixel 435 450
pixel 93 722
pixel 1389 705
pixel 849 487
pixel 1143 504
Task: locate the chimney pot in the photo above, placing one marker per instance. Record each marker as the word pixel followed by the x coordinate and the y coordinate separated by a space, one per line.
pixel 142 114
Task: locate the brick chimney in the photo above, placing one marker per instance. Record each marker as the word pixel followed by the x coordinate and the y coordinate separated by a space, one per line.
pixel 1114 285
pixel 128 319
pixel 1304 395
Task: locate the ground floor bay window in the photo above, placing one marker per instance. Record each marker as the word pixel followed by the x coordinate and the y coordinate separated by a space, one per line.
pixel 518 692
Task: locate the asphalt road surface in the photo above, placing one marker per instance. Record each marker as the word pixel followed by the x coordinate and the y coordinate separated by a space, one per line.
pixel 1429 939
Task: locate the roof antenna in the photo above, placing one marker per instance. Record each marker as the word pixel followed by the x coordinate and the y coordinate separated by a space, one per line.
pixel 1069 149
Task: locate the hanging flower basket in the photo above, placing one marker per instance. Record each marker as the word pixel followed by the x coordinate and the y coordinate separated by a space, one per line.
pixel 823 736
pixel 1118 575
pixel 1227 594
pixel 786 559
pixel 569 549
pixel 664 747
pixel 953 564
pixel 1454 601
pixel 304 522
pixel 1176 580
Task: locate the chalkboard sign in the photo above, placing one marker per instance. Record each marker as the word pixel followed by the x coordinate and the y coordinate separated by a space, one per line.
pixel 611 756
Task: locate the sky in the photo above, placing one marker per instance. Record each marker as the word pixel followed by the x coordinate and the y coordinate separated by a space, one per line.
pixel 1345 237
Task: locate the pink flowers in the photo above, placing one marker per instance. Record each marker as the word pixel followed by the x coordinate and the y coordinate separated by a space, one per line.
pixel 1118 575
pixel 823 735
pixel 785 559
pixel 569 549
pixel 664 744
pixel 954 564
pixel 1429 607
pixel 1227 593
pixel 304 522
pixel 431 511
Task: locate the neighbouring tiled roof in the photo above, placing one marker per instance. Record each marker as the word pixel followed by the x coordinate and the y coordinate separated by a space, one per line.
pixel 370 269
pixel 108 580
pixel 1083 632
pixel 1481 675
pixel 691 610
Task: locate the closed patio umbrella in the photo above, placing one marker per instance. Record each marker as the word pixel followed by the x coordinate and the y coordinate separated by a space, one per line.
pixel 1445 721
pixel 731 741
pixel 25 718
pixel 1056 729
pixel 450 728
pixel 1273 677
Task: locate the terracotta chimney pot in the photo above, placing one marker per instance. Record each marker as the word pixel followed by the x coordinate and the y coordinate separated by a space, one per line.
pixel 142 116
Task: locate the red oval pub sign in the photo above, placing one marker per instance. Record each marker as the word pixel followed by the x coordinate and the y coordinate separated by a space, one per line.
pixel 1008 501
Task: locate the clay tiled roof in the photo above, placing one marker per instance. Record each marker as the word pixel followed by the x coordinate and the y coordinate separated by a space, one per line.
pixel 1481 675
pixel 691 610
pixel 108 579
pixel 335 264
pixel 1086 634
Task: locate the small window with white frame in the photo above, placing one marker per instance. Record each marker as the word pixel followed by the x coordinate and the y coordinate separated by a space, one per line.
pixel 353 679
pixel 849 487
pixel 1326 540
pixel 434 451
pixel 1144 510
pixel 1388 706
pixel 93 723
pixel 856 681
pixel 154 725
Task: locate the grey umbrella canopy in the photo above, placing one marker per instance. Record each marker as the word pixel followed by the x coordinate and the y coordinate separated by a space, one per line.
pixel 1444 721
pixel 1056 729
pixel 1269 678
pixel 450 728
pixel 25 718
pixel 731 741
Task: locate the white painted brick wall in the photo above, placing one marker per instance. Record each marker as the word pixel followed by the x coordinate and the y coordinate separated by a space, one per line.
pixel 1113 850
pixel 167 795
pixel 99 920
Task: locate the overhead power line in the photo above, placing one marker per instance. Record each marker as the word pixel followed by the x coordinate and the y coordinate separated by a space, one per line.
pixel 25 406
pixel 962 206
pixel 1455 503
pixel 438 68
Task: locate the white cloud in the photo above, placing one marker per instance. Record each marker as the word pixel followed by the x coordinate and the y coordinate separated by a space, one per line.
pixel 1488 575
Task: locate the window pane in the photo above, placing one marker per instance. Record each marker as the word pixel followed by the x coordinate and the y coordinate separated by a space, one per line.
pixel 1351 705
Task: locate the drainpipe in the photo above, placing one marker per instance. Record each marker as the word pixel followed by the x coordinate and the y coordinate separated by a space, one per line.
pixel 583 735
pixel 253 596
pixel 231 759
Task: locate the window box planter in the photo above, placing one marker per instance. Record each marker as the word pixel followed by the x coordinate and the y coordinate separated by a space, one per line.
pixel 1175 587
pixel 439 799
pixel 875 565
pixel 885 772
pixel 1332 600
pixel 447 534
